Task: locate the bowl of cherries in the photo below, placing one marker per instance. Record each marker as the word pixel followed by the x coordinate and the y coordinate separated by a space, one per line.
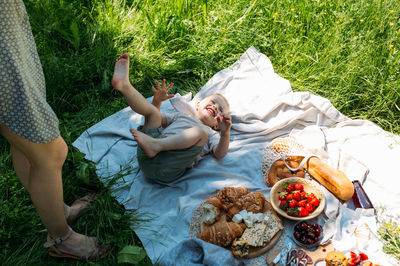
pixel 307 234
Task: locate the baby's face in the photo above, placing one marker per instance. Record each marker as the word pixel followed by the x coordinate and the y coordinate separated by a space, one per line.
pixel 210 108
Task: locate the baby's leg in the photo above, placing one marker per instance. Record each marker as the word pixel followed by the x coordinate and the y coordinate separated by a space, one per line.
pixel 136 101
pixel 182 140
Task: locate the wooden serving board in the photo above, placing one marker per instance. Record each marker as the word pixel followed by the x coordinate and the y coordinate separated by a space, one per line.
pixel 317 255
pixel 320 253
pixel 254 251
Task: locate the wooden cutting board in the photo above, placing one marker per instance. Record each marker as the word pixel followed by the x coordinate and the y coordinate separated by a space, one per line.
pixel 317 255
pixel 320 253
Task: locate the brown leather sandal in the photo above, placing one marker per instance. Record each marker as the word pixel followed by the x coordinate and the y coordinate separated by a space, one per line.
pixel 53 244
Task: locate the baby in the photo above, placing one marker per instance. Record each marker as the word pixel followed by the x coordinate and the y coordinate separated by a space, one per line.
pixel 169 144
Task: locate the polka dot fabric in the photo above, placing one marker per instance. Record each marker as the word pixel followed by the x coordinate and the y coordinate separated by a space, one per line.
pixel 23 106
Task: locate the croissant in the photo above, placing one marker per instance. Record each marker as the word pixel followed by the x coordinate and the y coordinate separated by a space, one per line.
pixel 211 210
pixel 214 201
pixel 229 195
pixel 222 233
pixel 251 202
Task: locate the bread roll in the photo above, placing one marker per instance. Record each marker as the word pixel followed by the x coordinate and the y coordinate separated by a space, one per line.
pixel 251 202
pixel 211 210
pixel 334 180
pixel 279 171
pixel 336 258
pixel 229 195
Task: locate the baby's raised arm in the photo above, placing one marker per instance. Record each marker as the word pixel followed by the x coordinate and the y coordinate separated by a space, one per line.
pixel 160 95
pixel 224 124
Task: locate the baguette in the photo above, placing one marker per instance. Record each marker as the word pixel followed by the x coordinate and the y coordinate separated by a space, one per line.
pixel 334 180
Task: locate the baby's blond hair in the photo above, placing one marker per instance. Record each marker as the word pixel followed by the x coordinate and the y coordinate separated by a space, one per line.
pixel 223 97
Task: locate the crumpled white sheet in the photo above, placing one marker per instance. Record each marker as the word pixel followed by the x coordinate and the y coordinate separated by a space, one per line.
pixel 356 231
pixel 263 107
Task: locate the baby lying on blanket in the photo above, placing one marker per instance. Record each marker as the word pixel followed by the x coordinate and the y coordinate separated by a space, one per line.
pixel 169 144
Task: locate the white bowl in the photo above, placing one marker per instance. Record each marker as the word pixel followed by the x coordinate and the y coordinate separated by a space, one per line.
pixel 310 186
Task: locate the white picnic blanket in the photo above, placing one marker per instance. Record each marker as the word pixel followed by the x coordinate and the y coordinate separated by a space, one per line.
pixel 263 107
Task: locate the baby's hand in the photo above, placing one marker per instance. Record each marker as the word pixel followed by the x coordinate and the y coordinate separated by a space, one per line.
pixel 161 94
pixel 224 123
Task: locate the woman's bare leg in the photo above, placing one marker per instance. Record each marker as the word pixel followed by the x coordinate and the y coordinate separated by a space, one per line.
pixel 182 140
pixel 44 185
pixel 136 101
pixel 22 169
pixel 21 166
pixel 44 182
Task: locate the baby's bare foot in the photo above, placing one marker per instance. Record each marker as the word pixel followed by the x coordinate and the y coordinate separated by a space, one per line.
pixel 149 145
pixel 120 79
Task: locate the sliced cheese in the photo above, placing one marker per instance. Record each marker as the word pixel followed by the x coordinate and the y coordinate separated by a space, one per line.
pixel 254 235
pixel 272 226
pixel 237 218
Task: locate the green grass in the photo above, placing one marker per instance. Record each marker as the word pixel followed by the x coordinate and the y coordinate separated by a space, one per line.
pixel 346 51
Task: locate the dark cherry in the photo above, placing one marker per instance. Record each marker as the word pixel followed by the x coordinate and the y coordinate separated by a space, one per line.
pixel 303 226
pixel 307 233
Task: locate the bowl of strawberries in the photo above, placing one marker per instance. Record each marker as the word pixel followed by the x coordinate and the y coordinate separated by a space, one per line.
pixel 297 198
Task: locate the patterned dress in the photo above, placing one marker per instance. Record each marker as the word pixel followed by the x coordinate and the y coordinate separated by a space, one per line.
pixel 23 106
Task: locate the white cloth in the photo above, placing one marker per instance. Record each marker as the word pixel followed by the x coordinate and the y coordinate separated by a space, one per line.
pixel 263 107
pixel 355 231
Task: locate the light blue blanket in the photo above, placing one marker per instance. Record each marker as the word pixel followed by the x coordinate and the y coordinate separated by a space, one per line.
pixel 263 107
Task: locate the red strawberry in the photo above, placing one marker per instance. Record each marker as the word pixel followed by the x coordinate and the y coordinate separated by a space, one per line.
pixel 282 195
pixel 289 196
pixel 302 203
pixel 314 202
pixel 293 204
pixel 298 187
pixel 354 261
pixel 292 212
pixel 363 256
pixel 296 195
pixel 310 197
pixel 303 212
pixel 303 195
pixel 283 205
pixel 352 255
pixel 309 207
pixel 289 187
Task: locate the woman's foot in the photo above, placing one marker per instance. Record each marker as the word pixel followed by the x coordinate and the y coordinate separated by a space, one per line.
pixel 78 207
pixel 76 246
pixel 149 145
pixel 120 79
